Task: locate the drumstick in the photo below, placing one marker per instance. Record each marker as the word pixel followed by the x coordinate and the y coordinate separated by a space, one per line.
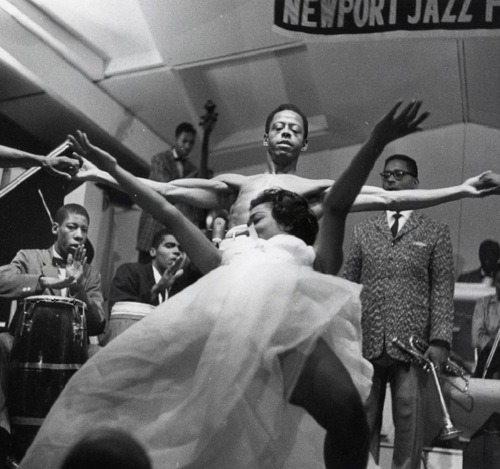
pixel 46 207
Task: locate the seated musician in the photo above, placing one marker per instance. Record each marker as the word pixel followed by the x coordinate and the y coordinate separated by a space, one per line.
pixel 485 328
pixel 61 270
pixel 165 275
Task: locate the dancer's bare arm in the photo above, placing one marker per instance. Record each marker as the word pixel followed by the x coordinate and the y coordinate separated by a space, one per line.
pixel 338 201
pixel 60 165
pixel 373 198
pixel 474 187
pixel 201 193
pixel 199 249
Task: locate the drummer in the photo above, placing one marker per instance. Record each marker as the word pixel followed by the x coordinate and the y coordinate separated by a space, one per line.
pixel 61 270
pixel 168 272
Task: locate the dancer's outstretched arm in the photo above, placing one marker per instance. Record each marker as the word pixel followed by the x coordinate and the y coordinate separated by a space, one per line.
pixel 60 165
pixel 338 202
pixel 372 198
pixel 201 193
pixel 380 199
pixel 200 250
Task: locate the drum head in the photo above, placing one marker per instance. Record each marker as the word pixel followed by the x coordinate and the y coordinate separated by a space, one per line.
pixel 54 299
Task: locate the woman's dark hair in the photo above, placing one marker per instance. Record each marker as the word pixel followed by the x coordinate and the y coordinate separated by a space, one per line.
pixel 291 211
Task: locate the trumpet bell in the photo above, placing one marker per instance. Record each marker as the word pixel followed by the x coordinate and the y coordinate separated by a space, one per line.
pixel 415 349
pixel 449 432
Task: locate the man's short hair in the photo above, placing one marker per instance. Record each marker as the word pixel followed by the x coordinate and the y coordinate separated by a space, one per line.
pixel 184 127
pixel 63 212
pixel 158 237
pixel 489 247
pixel 288 107
pixel 410 162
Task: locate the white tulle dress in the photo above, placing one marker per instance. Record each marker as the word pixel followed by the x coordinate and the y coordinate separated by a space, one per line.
pixel 198 381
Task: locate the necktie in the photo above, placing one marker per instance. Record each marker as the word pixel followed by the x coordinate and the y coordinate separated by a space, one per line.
pixel 395 225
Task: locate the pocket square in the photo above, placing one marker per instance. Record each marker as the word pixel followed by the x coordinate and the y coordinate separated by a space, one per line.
pixel 420 244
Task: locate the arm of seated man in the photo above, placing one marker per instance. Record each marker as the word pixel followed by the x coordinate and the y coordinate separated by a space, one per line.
pixel 86 286
pixel 171 274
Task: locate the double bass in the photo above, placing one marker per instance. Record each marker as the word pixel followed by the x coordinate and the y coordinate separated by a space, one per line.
pixel 203 218
pixel 207 122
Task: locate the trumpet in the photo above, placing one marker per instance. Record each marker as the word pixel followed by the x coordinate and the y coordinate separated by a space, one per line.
pixel 448 431
pixel 451 367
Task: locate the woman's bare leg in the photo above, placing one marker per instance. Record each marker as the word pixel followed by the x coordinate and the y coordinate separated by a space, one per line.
pixel 325 389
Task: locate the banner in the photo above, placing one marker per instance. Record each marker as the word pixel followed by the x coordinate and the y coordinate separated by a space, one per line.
pixel 345 19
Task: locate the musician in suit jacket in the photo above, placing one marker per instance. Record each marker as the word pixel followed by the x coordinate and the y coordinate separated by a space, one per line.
pixel 407 275
pixel 156 281
pixel 167 166
pixel 61 270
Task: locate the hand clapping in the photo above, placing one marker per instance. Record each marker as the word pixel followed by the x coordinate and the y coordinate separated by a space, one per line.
pixel 75 265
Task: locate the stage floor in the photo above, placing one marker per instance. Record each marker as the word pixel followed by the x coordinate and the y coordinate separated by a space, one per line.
pixel 432 458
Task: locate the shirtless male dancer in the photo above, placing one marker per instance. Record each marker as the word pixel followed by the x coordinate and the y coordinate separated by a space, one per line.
pixel 285 138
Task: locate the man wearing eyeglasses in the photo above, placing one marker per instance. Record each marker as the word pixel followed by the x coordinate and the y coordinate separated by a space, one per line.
pixel 404 261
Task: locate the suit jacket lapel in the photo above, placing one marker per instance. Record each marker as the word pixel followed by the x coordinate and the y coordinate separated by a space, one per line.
pixel 172 166
pixel 410 225
pixel 382 225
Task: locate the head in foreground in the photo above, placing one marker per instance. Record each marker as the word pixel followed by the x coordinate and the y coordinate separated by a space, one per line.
pixel 278 211
pixel 107 448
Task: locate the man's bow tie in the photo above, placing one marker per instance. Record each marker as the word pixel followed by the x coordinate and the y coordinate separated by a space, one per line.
pixel 58 262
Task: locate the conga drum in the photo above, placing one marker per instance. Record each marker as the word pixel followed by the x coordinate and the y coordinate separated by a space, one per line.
pixel 123 315
pixel 50 345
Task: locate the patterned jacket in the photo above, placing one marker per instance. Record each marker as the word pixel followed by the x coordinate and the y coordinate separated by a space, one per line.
pixel 408 282
pixel 163 169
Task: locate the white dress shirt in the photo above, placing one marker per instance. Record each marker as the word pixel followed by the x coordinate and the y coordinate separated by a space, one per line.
pixel 157 276
pixel 405 214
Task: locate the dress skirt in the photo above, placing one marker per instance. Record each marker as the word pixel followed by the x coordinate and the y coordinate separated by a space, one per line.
pixel 199 382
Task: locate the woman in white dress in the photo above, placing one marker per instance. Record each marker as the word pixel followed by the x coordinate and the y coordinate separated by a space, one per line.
pixel 222 375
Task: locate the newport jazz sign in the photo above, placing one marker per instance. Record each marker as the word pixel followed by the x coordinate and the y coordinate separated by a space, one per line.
pixel 344 18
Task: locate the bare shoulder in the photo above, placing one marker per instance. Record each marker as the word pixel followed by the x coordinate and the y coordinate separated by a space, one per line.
pixel 305 186
pixel 232 180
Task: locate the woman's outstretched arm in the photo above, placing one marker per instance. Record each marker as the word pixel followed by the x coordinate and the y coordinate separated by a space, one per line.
pixel 200 250
pixel 338 201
